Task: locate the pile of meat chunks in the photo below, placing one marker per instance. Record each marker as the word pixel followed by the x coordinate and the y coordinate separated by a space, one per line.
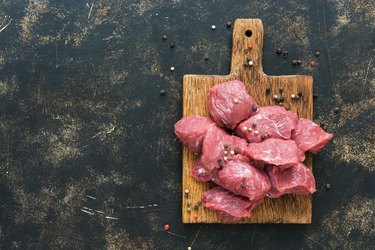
pixel 249 151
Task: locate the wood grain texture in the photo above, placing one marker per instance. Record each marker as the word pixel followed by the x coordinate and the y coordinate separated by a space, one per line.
pixel 288 208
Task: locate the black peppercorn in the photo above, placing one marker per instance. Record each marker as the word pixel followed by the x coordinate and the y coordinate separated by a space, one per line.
pixel 285 54
pixel 255 108
pixel 229 24
pixel 254 125
pixel 171 45
pixel 268 90
pixel 164 37
pixel 225 146
pixel 281 99
pixel 196 207
pixel 294 62
pixel 236 152
pixel 327 186
pixel 317 53
pixel 264 136
pixel 281 88
pixel 199 203
pixel 206 58
pixel 162 92
pixel 278 51
pixel 336 109
pixel 299 62
pixel 300 93
pixel 220 163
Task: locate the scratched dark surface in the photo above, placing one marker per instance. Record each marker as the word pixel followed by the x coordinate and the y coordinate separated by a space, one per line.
pixel 81 116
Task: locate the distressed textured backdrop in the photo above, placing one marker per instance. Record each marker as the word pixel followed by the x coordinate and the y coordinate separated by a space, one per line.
pixel 86 139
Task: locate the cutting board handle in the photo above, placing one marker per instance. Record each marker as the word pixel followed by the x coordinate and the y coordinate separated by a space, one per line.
pixel 247 44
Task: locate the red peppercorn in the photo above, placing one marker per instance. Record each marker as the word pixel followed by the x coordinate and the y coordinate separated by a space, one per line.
pixel 195 217
pixel 166 227
pixel 313 63
pixel 249 45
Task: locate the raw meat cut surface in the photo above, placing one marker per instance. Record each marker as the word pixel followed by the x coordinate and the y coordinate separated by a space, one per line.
pixel 229 206
pixel 191 130
pixel 219 146
pixel 269 122
pixel 282 153
pixel 199 173
pixel 229 104
pixel 309 136
pixel 244 179
pixel 297 180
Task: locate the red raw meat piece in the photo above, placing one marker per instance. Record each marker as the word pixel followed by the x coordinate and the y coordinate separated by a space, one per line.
pixel 191 130
pixel 199 173
pixel 229 104
pixel 269 122
pixel 244 179
pixel 282 153
pixel 229 206
pixel 217 145
pixel 297 180
pixel 309 136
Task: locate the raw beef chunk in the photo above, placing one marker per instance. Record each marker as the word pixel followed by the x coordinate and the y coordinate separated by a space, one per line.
pixel 309 136
pixel 229 206
pixel 229 104
pixel 282 153
pixel 268 122
pixel 244 179
pixel 297 180
pixel 191 130
pixel 219 146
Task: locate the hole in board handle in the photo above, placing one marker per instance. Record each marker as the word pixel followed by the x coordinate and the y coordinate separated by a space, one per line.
pixel 248 33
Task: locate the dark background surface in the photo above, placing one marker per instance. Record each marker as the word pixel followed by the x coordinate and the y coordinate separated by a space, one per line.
pixel 81 115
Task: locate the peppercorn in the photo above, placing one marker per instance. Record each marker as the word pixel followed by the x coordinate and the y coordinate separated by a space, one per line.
pixel 299 62
pixel 162 92
pixel 313 63
pixel 196 207
pixel 242 185
pixel 229 24
pixel 225 146
pixel 281 99
pixel 294 62
pixel 278 51
pixel 268 90
pixel 213 27
pixel 254 124
pixel 166 227
pixel 317 53
pixel 255 108
pixel 189 210
pixel 220 163
pixel 327 186
pixel 199 203
pixel 285 54
pixel 236 152
pixel 164 37
pixel 281 88
pixel 336 109
pixel 263 136
pixel 300 93
pixel 171 45
pixel 206 58
pixel 195 217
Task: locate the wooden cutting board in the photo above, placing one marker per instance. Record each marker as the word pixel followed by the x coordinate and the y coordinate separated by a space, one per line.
pixel 288 208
